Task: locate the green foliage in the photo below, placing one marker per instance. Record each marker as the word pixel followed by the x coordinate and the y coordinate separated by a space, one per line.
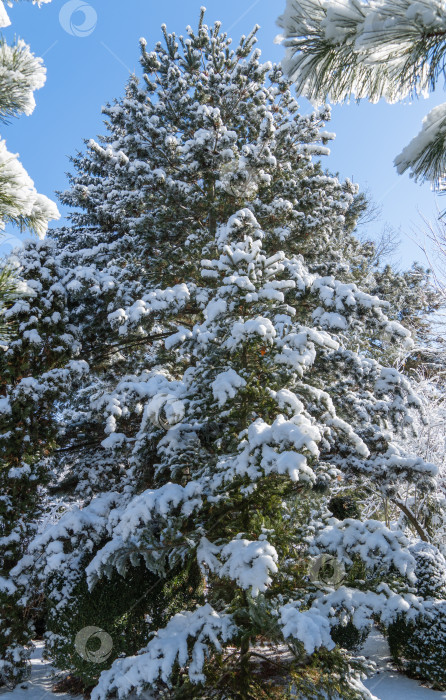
pixel 8 293
pixel 126 608
pixel 344 505
pixel 28 430
pixel 326 677
pixel 116 606
pixel 418 644
pixel 272 676
pixel 348 636
pixel 419 647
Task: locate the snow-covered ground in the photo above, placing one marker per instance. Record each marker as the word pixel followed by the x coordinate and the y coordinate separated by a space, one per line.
pixel 388 684
pixel 40 684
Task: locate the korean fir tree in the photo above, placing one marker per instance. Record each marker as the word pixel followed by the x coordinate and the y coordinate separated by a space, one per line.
pixel 239 431
pixel 238 470
pixel 211 283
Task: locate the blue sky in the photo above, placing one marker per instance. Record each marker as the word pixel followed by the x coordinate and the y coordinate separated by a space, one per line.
pixel 86 71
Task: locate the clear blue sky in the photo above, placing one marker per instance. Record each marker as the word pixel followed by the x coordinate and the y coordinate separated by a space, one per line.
pixel 84 72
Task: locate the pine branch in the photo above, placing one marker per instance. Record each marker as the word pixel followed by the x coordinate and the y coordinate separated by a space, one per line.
pixel 425 155
pixel 390 49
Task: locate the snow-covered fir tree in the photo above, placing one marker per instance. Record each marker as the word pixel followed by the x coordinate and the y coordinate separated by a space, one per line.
pixel 207 301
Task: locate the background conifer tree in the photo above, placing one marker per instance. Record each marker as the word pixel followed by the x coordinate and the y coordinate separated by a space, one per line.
pixel 21 439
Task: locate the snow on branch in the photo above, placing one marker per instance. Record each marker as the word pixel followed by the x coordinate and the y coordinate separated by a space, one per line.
pixel 21 73
pixel 127 526
pixel 335 50
pixel 425 155
pixel 160 503
pixel 372 541
pixel 7 586
pixel 309 627
pixel 345 604
pixel 225 386
pixel 187 639
pixel 249 564
pixel 321 54
pixel 158 300
pixel 20 203
pixel 89 522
